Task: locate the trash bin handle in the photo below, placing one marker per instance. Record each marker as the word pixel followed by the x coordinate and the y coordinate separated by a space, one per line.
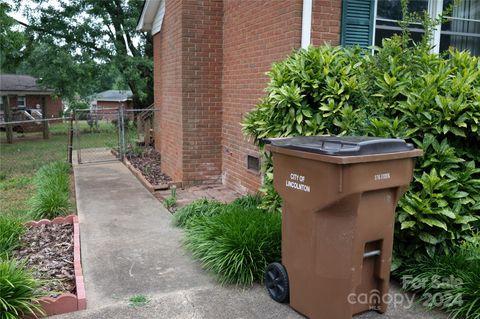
pixel 371 253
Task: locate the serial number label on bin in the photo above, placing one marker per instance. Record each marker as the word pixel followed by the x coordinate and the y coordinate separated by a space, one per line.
pixel 379 177
pixel 296 181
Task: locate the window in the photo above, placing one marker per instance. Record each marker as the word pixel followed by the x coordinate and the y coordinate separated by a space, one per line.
pixel 389 12
pixel 21 102
pixel 462 30
pixel 367 22
pixel 2 107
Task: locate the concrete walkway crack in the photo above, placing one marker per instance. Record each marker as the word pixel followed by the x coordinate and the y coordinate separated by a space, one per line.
pixel 192 304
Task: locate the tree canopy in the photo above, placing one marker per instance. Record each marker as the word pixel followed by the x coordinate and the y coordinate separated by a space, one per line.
pixel 80 47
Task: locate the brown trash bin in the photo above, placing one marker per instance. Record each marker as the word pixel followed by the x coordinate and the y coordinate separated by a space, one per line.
pixel 339 197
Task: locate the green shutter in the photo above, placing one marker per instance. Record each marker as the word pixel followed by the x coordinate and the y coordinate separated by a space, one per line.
pixel 357 22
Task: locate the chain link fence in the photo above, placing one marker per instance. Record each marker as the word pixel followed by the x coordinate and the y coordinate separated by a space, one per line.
pixel 97 135
pixel 109 134
pixel 26 145
pixel 88 136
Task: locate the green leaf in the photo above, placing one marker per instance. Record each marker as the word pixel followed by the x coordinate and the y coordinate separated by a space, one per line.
pixel 307 112
pixel 434 223
pixel 448 213
pixel 408 224
pixel 465 219
pixel 299 128
pixel 460 194
pixel 299 118
pixel 409 210
pixel 426 237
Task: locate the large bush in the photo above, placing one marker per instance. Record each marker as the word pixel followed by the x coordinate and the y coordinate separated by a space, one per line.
pixel 403 91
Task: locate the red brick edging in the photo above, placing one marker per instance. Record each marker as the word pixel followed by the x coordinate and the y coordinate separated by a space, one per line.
pixel 66 302
pixel 152 188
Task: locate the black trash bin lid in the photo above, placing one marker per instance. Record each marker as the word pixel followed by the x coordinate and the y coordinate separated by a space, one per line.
pixel 343 145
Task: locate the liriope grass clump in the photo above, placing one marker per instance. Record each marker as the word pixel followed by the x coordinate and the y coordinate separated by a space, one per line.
pixel 237 244
pixel 52 197
pixel 19 291
pixel 11 229
pixel 251 201
pixel 450 282
pixel 200 207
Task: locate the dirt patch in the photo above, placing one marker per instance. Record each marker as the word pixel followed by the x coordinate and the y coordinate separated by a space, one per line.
pixel 148 163
pixel 48 251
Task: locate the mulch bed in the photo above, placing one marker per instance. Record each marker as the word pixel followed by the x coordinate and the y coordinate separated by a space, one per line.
pixel 48 251
pixel 148 163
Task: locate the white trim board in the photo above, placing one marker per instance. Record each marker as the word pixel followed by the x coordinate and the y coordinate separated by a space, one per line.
pixel 152 16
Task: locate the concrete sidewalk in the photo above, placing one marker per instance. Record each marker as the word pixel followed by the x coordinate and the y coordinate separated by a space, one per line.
pixel 129 247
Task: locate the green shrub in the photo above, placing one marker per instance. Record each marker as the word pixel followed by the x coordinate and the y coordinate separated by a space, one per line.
pixel 19 291
pixel 52 197
pixel 402 91
pixel 48 203
pixel 251 201
pixel 201 207
pixel 11 229
pixel 451 282
pixel 236 245
pixel 208 207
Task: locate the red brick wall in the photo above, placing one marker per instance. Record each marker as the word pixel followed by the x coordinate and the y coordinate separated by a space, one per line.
pixel 256 33
pixel 202 90
pixel 113 104
pixel 326 20
pixel 168 90
pixel 188 73
pixel 54 106
pixel 210 61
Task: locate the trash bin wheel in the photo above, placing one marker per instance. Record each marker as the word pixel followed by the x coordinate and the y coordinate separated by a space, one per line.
pixel 276 281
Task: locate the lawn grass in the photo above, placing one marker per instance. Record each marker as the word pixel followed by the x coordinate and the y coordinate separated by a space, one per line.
pixel 82 126
pixel 28 154
pixel 14 195
pixel 20 161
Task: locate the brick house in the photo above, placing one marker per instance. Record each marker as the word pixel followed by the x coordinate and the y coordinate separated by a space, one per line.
pixel 112 99
pixel 107 102
pixel 210 59
pixel 24 93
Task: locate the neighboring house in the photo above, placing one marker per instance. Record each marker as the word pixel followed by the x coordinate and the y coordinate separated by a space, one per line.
pixel 112 99
pixel 25 94
pixel 210 59
pixel 107 103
